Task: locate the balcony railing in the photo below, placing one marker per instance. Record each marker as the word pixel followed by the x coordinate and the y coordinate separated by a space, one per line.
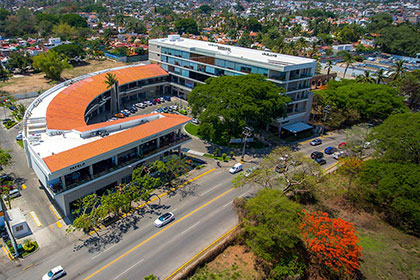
pixel 85 179
pixel 295 77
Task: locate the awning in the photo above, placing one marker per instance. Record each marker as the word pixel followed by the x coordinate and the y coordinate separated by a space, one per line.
pixel 297 127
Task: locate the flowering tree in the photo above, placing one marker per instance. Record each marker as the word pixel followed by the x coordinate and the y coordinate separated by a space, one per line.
pixel 332 243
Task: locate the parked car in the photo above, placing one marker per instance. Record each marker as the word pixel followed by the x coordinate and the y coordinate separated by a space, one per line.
pixel 153 102
pixel 249 171
pixel 157 100
pixel 195 121
pixel 119 115
pixel 167 98
pixel 165 109
pixel 19 136
pixel 317 154
pixel 132 111
pixel 134 107
pixel 54 273
pixel 339 154
pixel 316 142
pixel 5 178
pixel 164 219
pixel 148 103
pixel 236 168
pixel 174 107
pixel 162 99
pixel 183 112
pixel 140 105
pixel 342 145
pixel 12 194
pixel 320 161
pixel 330 150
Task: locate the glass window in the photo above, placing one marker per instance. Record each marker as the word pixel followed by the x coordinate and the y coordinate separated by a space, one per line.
pixel 220 63
pixel 165 67
pixel 210 70
pixel 230 65
pixel 185 73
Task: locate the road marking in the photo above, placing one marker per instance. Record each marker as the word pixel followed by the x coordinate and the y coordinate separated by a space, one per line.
pixel 156 234
pixel 325 170
pixel 55 212
pixel 129 268
pixel 29 266
pixel 190 260
pixel 24 186
pixel 206 192
pixel 104 251
pixel 35 218
pixel 7 252
pixel 158 197
pixel 196 224
pixel 59 224
pixel 227 204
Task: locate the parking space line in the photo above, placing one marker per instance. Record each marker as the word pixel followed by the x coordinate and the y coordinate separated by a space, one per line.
pixel 7 252
pixel 24 186
pixel 35 218
pixel 55 212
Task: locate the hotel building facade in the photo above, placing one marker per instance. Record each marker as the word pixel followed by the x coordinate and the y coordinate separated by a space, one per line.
pixel 190 62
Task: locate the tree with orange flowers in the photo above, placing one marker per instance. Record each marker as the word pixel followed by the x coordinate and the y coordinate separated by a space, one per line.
pixel 332 243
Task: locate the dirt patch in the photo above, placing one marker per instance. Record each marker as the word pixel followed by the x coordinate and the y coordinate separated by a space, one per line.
pixel 36 82
pixel 235 262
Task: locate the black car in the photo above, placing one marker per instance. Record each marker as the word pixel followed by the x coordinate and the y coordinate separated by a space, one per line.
pixel 320 161
pixel 5 178
pixel 317 154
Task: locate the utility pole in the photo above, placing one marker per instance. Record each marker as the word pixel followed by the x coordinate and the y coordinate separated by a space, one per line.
pixel 326 112
pixel 246 132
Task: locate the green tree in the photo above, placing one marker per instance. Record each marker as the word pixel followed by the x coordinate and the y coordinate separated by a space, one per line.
pixel 348 59
pixel 397 138
pixel 40 17
pixel 403 39
pixel 74 20
pixel 70 50
pixel 151 277
pixel 353 102
pixel 5 158
pixel 52 64
pixel 365 78
pixel 253 24
pixel 227 104
pixel 399 70
pixel 270 225
pixel 392 188
pixel 409 85
pixel 20 61
pixel 187 26
pixel 379 21
pixel 380 76
pixel 357 139
pixel 136 26
pixel 65 31
pixel 205 9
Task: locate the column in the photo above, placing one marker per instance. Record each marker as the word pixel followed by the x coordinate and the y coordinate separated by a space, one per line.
pixel 138 150
pixel 91 171
pixel 179 152
pixel 63 181
pixel 116 160
pixel 179 133
pixel 158 142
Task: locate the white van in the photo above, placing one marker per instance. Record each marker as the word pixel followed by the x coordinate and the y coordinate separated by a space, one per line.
pixel 236 168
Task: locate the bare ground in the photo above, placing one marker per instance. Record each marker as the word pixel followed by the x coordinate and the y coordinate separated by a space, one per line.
pixel 36 82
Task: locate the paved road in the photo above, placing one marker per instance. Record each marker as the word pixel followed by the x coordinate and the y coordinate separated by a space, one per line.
pixel 203 211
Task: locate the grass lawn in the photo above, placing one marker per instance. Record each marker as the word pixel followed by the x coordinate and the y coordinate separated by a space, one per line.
pixel 192 129
pixel 20 143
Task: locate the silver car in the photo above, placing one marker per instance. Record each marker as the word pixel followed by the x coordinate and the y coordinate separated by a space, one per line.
pixel 164 219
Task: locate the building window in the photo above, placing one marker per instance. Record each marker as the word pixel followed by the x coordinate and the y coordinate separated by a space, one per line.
pixel 19 228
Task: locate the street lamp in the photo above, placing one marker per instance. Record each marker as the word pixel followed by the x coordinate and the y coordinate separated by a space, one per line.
pixel 326 112
pixel 246 132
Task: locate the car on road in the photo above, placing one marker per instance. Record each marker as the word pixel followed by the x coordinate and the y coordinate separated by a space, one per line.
pixel 236 168
pixel 320 161
pixel 342 145
pixel 316 142
pixel 12 194
pixel 54 273
pixel 164 219
pixel 195 121
pixel 317 154
pixel 330 150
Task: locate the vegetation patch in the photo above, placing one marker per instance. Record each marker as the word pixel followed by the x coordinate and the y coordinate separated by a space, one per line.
pixel 192 129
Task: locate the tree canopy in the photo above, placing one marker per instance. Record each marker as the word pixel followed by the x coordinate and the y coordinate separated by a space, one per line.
pixel 353 102
pixel 51 63
pixel 74 20
pixel 397 138
pixel 187 25
pixel 70 50
pixel 227 104
pixel 5 158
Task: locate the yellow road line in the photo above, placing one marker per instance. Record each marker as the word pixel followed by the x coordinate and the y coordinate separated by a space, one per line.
pixel 190 260
pixel 59 224
pixel 325 170
pixel 7 252
pixel 55 212
pixel 158 197
pixel 24 186
pixel 35 218
pixel 156 234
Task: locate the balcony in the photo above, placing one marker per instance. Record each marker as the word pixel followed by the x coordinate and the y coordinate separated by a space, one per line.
pixel 81 176
pixel 296 77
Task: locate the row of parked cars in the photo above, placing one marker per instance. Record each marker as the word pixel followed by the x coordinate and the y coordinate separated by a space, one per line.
pixel 142 105
pixel 336 152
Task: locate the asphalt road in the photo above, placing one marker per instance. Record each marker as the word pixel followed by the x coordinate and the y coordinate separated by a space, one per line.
pixel 203 212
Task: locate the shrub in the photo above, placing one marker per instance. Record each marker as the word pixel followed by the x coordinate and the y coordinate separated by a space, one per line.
pixel 232 154
pixel 224 157
pixel 217 152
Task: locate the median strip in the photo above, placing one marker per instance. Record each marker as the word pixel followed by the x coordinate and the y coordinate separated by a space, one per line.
pixel 158 197
pixel 156 234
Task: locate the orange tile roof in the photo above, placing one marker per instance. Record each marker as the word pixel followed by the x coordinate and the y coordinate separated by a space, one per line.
pixel 66 111
pixel 84 152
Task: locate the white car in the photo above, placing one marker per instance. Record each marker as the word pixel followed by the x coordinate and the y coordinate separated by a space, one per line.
pixel 12 193
pixel 174 107
pixel 236 168
pixel 339 154
pixel 148 103
pixel 162 99
pixel 54 273
pixel 164 219
pixel 140 105
pixel 195 121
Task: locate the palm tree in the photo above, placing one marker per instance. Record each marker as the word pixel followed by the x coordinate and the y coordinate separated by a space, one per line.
pixel 301 44
pixel 399 69
pixel 380 76
pixel 328 67
pixel 314 48
pixel 348 59
pixel 112 82
pixel 365 78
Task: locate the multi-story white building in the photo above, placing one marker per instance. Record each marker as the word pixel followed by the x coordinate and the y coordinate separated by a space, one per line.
pixel 191 62
pixel 75 152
